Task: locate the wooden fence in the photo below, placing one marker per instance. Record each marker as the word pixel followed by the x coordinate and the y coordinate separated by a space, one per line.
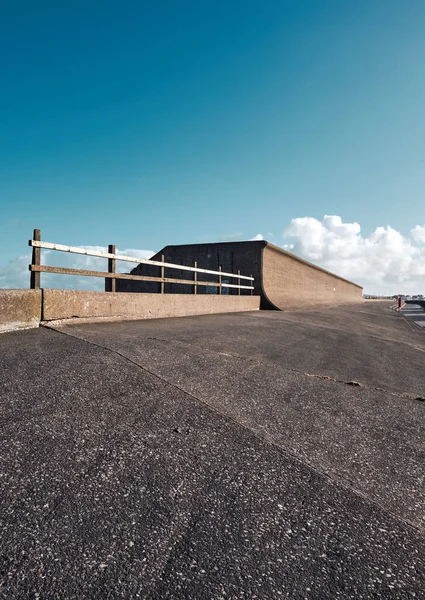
pixel 111 275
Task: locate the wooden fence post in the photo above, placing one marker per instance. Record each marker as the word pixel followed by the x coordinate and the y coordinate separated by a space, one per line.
pixel 239 283
pixel 252 291
pixel 195 278
pixel 162 274
pixel 220 281
pixel 111 284
pixel 36 256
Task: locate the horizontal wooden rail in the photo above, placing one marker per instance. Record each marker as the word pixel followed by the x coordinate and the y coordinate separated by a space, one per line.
pixel 146 261
pixel 106 275
pixel 111 275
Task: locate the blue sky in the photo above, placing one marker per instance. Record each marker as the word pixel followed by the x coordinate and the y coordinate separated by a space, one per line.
pixel 146 124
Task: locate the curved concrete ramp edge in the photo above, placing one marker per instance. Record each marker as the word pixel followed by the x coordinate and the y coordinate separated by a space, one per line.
pixel 289 282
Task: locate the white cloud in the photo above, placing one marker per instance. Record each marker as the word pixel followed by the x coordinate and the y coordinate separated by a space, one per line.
pixel 418 233
pixel 257 238
pixel 16 273
pixel 384 262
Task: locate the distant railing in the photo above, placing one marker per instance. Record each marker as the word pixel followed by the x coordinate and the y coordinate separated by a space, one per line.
pixel 111 275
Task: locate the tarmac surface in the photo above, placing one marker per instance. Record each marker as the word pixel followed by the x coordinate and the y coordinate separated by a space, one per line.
pixel 254 455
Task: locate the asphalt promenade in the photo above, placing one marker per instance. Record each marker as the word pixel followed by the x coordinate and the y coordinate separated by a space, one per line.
pixel 252 455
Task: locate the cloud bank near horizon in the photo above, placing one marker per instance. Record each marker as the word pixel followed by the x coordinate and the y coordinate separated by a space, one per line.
pixel 384 262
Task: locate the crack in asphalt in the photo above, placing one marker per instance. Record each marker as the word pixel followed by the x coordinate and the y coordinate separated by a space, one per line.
pixel 408 395
pixel 332 476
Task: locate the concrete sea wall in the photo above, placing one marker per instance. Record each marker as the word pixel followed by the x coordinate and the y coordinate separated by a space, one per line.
pixel 66 304
pixel 24 309
pixel 289 282
pixel 282 280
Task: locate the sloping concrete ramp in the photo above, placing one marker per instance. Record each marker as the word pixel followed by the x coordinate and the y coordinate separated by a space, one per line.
pixel 283 280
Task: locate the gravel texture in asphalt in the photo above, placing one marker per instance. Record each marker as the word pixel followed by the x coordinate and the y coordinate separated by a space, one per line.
pixel 226 456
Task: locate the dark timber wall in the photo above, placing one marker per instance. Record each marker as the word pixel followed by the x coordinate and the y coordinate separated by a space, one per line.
pixel 281 279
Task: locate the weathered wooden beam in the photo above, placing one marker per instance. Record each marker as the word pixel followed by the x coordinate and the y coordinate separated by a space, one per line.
pixel 111 283
pixel 155 263
pixel 81 272
pixel 36 260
